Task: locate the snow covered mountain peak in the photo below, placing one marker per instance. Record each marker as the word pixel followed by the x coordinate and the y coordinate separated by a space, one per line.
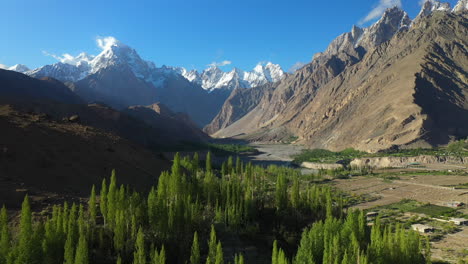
pixel 114 54
pixel 117 54
pixel 120 56
pixel 461 6
pixel 430 6
pixel 214 78
pixel 19 68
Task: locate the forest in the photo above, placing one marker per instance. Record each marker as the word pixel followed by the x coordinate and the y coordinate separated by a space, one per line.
pixel 197 213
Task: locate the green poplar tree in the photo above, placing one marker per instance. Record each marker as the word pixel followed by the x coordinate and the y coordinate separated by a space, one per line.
pixel 195 163
pixel 195 255
pixel 295 195
pixel 92 206
pixel 139 256
pixel 238 165
pixel 103 200
pixel 69 251
pixel 176 167
pixel 239 259
pixel 162 256
pixel 208 166
pixel 119 231
pixel 219 259
pixel 24 254
pixel 281 194
pixel 212 246
pixel 230 164
pixel 274 254
pixel 81 256
pixel 112 199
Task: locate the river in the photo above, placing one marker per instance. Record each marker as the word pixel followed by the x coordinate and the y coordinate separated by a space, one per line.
pixel 278 154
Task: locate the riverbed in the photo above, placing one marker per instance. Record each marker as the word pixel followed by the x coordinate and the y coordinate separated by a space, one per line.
pixel 278 154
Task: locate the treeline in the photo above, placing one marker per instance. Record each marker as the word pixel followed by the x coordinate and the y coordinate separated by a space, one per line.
pixel 178 220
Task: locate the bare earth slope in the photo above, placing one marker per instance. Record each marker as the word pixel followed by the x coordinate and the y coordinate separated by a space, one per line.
pixel 143 125
pixel 46 155
pixel 409 91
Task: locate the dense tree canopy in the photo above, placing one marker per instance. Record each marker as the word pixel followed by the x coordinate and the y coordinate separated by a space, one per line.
pixel 189 213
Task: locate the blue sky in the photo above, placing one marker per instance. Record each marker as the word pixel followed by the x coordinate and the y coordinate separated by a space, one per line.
pixel 185 33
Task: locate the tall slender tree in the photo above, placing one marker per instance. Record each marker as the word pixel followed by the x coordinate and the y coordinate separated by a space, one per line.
pixel 103 200
pixel 139 256
pixel 219 259
pixel 24 253
pixel 81 256
pixel 212 246
pixel 92 206
pixel 195 255
pixel 208 166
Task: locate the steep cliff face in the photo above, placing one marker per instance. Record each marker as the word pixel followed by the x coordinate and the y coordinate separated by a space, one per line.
pixel 238 104
pixel 346 50
pixel 409 91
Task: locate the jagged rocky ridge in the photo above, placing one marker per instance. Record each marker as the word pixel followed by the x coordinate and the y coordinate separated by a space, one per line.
pixel 397 82
pixel 214 78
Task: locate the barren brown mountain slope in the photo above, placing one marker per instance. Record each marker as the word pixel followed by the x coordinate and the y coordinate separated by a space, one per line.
pixel 167 124
pixel 346 50
pixel 151 127
pixel 45 155
pixel 409 91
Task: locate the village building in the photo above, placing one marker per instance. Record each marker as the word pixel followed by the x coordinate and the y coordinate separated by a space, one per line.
pixel 459 221
pixel 422 228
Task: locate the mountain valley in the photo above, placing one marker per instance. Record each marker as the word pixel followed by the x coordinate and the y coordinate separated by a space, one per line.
pixel 358 156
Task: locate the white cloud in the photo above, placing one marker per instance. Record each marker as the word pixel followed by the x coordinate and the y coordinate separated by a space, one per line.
pixel 3 66
pixel 220 64
pixel 378 10
pixel 106 42
pixel 296 66
pixel 70 59
pixel 102 42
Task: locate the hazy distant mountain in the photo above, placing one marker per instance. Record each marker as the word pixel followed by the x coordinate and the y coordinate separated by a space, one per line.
pixel 19 68
pixel 398 82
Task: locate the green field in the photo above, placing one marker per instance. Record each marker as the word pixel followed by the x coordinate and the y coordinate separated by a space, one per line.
pixel 458 148
pixel 216 148
pixel 433 210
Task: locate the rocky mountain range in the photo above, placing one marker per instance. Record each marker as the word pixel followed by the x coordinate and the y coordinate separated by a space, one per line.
pixel 373 88
pixel 214 78
pixel 396 83
pixel 119 77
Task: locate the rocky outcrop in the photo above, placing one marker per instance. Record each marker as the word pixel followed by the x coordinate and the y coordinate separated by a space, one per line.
pixel 321 166
pixel 239 103
pixel 402 162
pixel 431 6
pixel 461 6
